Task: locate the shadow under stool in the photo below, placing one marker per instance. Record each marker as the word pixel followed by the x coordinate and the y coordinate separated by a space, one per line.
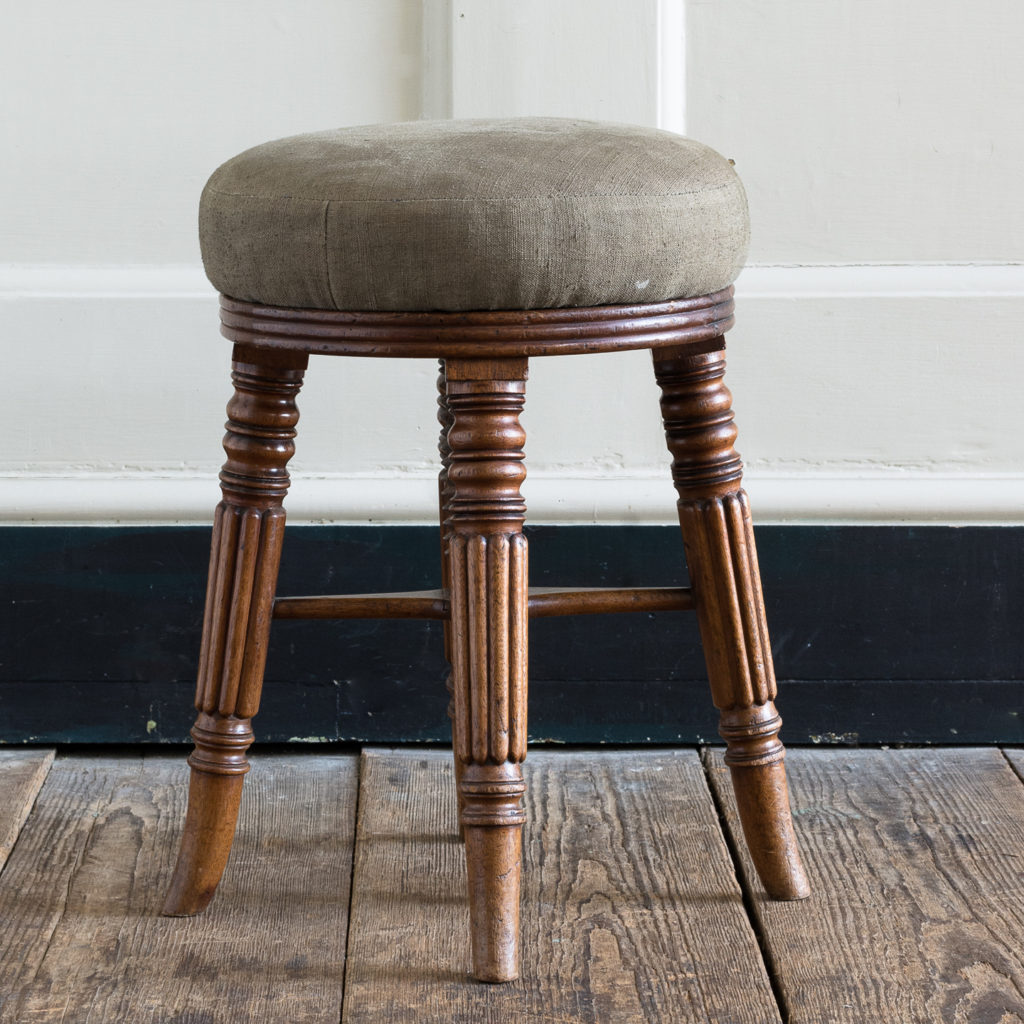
pixel 480 244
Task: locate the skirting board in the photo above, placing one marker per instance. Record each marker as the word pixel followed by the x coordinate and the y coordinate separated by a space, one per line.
pixel 880 635
pixel 852 498
pixel 811 498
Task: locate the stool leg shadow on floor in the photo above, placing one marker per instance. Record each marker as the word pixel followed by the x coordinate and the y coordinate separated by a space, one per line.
pixel 722 561
pixel 245 554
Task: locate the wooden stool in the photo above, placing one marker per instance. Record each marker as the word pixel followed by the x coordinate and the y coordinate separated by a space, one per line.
pixel 479 243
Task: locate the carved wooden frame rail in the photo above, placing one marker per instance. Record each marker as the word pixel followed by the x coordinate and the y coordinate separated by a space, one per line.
pixel 479 335
pixel 484 602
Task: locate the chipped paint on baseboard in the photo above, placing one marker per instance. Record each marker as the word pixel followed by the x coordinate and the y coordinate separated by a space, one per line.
pixel 835 739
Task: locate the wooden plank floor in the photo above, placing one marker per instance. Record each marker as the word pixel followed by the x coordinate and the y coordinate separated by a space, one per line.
pixel 638 900
pixel 81 938
pixel 21 774
pixel 630 910
pixel 916 860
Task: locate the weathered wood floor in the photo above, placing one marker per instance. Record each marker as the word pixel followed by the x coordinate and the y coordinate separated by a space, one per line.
pixel 343 900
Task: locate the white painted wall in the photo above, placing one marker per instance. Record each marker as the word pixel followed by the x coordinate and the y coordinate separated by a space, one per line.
pixel 878 356
pixel 868 131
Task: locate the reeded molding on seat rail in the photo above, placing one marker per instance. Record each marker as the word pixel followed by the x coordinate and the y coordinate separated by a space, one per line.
pixel 485 333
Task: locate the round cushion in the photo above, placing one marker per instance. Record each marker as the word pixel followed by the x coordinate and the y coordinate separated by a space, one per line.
pixel 525 213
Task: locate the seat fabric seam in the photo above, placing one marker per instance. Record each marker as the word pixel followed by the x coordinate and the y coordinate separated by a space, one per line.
pixel 327 255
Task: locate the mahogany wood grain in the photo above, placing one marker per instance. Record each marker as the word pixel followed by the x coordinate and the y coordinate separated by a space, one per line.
pixel 543 602
pixel 412 604
pixel 551 601
pixel 247 535
pixel 487 572
pixel 502 334
pixel 719 540
pixel 444 495
pixel 484 601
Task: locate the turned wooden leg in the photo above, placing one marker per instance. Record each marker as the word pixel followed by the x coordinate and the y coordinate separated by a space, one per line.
pixel 247 534
pixel 444 491
pixel 719 541
pixel 487 576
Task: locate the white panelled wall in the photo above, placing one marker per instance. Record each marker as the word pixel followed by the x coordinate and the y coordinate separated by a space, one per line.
pixel 878 357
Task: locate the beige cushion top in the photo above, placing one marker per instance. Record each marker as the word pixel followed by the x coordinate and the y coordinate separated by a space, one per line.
pixel 527 213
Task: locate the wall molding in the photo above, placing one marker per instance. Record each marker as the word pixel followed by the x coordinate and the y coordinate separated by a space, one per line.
pixel 671 34
pixel 852 497
pixel 879 280
pixel 80 281
pixel 867 280
pixel 436 60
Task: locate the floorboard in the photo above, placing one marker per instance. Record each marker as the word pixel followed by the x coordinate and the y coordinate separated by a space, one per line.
pixel 82 939
pixel 916 859
pixel 22 773
pixel 631 910
pixel 1016 758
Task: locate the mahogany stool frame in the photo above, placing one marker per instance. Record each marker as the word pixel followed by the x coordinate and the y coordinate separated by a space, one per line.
pixel 485 601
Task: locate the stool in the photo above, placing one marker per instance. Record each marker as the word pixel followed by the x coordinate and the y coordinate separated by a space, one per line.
pixel 481 244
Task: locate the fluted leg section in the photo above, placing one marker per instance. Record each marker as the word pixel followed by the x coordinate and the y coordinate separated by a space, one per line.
pixel 245 553
pixel 719 540
pixel 487 580
pixel 444 493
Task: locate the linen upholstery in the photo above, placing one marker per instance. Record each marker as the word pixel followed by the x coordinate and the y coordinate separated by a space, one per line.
pixel 525 213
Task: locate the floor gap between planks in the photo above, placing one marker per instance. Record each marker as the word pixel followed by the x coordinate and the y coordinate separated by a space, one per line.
pixel 344 897
pixel 732 839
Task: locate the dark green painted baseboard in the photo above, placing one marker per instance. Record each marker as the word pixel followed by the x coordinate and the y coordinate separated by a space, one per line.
pixel 880 635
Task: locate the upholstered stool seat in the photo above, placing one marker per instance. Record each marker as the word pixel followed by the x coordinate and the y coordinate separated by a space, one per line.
pixel 482 244
pixel 467 215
